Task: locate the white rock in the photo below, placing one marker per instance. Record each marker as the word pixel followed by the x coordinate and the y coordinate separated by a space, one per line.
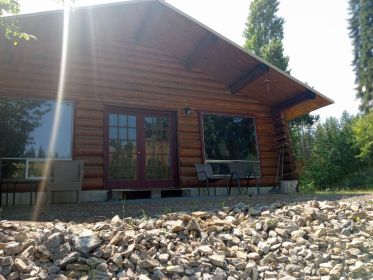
pixel 13 248
pixel 264 247
pixel 218 260
pixel 253 256
pixel 206 250
pixel 116 220
pixel 335 273
pixel 175 269
pixel 163 257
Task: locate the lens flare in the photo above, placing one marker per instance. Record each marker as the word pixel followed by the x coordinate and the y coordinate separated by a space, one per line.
pixel 57 113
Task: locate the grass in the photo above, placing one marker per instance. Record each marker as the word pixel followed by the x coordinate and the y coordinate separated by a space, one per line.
pixel 348 191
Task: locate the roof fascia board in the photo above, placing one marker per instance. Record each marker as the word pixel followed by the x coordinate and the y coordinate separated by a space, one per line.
pixel 80 7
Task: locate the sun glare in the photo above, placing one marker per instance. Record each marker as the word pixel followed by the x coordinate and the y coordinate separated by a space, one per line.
pixel 60 94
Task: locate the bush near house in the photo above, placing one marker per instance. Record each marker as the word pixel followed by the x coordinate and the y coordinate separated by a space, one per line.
pixel 335 153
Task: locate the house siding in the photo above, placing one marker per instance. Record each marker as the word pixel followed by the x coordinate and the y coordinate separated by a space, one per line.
pixel 130 75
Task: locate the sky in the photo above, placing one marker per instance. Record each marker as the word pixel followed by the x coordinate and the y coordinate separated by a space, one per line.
pixel 315 39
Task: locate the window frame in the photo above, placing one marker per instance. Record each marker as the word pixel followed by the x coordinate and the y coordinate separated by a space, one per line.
pixel 27 160
pixel 202 131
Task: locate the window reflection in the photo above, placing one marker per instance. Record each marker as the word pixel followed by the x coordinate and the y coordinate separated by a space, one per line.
pixel 230 138
pixel 157 148
pixel 122 147
pixel 26 127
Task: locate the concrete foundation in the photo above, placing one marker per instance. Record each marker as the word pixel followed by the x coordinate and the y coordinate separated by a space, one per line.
pixel 289 186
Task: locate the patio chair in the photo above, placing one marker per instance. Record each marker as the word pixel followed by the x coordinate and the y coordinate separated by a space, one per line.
pixel 239 172
pixel 66 175
pixel 206 175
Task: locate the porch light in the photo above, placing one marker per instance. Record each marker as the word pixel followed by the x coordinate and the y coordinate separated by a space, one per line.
pixel 188 111
pixel 267 84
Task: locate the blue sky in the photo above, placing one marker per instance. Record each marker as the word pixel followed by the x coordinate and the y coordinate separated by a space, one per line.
pixel 316 39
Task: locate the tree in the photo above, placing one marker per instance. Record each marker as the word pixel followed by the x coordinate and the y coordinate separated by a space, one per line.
pixel 361 33
pixel 302 131
pixel 18 118
pixel 264 33
pixel 9 27
pixel 363 135
pixel 333 153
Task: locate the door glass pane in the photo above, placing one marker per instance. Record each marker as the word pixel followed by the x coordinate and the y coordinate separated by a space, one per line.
pixel 113 119
pixel 157 148
pixel 122 120
pixel 132 134
pixel 122 166
pixel 158 167
pixel 113 133
pixel 122 149
pixel 123 133
pixel 131 121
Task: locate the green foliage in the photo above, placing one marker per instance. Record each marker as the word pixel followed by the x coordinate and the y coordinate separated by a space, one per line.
pixel 18 118
pixel 264 33
pixel 9 27
pixel 302 129
pixel 361 33
pixel 332 154
pixel 363 136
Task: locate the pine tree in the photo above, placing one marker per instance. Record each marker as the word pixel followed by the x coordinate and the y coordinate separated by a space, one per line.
pixel 264 33
pixel 361 33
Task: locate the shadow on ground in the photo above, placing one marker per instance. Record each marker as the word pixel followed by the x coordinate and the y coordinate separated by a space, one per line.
pixel 92 212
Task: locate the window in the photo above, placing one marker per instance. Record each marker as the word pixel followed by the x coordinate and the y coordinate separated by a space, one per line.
pixel 228 139
pixel 26 127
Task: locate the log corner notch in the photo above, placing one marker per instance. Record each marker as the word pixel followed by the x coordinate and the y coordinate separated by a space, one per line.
pixel 283 141
pixel 282 132
pixel 199 50
pixel 249 77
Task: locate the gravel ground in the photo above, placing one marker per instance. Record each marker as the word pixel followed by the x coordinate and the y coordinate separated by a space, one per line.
pixel 92 212
pixel 285 237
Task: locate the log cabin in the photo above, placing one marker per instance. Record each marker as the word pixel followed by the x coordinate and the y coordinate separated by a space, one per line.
pixel 143 93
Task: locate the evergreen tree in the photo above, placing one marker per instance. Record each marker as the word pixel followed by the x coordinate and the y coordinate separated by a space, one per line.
pixel 361 33
pixel 363 136
pixel 264 33
pixel 333 153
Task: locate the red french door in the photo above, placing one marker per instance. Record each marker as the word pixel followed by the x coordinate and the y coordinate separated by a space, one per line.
pixel 140 149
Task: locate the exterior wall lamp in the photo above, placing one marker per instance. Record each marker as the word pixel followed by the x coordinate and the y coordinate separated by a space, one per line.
pixel 188 111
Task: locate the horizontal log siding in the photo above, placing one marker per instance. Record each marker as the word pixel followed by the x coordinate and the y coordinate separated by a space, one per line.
pixel 131 75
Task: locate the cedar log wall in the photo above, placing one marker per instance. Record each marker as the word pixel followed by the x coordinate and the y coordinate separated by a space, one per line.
pixel 129 75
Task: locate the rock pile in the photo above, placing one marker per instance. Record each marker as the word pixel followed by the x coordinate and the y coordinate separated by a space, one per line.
pixel 313 240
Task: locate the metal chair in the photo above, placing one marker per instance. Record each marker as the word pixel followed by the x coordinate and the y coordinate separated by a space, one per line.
pixel 239 171
pixel 205 174
pixel 66 175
